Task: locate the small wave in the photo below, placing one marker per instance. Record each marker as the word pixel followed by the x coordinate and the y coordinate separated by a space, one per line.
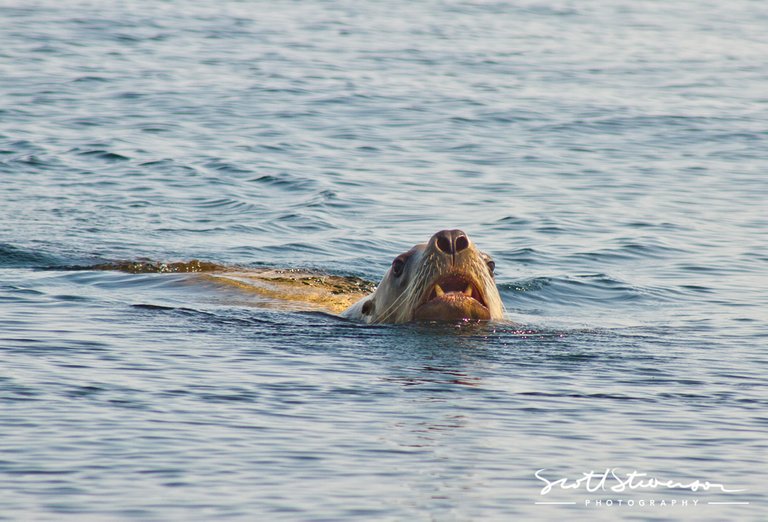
pixel 285 182
pixel 30 160
pixel 323 199
pixel 524 255
pixel 90 79
pixel 13 257
pixel 632 123
pixel 181 310
pixel 105 155
pixel 648 248
pixel 226 203
pixel 566 395
pixel 223 166
pixel 576 290
pixel 514 221
pixel 91 121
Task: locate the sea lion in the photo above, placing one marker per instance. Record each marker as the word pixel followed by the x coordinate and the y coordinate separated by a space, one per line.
pixel 445 279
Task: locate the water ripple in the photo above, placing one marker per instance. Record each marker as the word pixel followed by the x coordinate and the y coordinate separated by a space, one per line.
pixel 608 155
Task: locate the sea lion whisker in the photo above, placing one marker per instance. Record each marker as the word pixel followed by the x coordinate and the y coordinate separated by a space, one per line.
pixel 400 300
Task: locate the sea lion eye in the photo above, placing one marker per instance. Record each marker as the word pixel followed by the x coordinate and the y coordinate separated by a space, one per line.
pixel 398 265
pixel 491 266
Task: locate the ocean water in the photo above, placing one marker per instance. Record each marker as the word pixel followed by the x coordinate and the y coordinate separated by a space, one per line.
pixel 612 156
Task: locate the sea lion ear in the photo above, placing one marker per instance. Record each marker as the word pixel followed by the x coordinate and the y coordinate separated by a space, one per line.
pixel 368 307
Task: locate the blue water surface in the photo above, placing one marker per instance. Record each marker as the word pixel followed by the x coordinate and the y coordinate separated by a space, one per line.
pixel 611 155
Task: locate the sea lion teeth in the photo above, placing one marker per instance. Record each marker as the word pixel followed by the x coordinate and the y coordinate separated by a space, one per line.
pixel 468 290
pixel 439 291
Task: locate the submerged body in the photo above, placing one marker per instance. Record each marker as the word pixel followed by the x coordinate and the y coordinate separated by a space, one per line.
pixel 445 279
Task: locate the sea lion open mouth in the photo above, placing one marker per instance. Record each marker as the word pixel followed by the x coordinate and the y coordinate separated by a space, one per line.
pixel 453 297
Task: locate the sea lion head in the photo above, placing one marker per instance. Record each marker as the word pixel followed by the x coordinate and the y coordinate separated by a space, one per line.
pixel 445 279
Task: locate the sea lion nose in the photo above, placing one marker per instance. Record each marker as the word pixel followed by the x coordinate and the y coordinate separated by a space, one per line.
pixel 451 241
